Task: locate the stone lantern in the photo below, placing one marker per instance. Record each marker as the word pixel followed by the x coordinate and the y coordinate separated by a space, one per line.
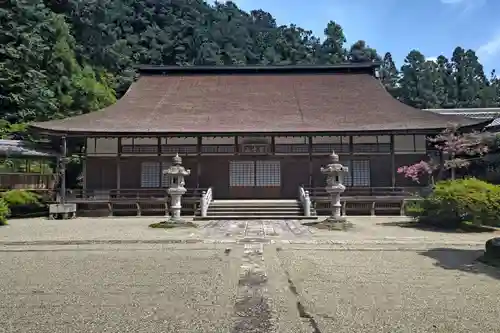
pixel 335 173
pixel 176 172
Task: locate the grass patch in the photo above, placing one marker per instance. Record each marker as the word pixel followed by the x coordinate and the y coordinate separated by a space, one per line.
pixel 328 225
pixel 171 225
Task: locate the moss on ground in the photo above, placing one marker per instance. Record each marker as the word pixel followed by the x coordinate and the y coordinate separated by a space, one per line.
pixel 171 225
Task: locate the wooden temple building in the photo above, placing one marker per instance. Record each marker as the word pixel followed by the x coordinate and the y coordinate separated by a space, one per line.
pixel 252 132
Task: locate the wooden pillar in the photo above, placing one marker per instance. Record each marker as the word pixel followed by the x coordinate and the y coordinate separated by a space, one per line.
pixel 393 163
pixel 118 163
pixel 350 164
pixel 310 148
pixel 62 171
pixel 84 167
pixel 199 144
pixel 159 159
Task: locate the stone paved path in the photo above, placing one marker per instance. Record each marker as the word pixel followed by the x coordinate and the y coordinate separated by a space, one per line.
pixel 258 230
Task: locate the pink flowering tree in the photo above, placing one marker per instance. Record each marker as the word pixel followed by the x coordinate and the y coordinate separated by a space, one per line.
pixel 457 151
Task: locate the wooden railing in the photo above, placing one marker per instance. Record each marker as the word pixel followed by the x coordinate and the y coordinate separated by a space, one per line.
pixel 366 206
pixel 366 201
pixel 126 194
pixel 205 201
pixel 121 202
pixel 320 192
pixel 305 200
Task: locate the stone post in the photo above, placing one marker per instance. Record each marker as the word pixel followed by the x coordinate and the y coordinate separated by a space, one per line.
pixel 176 172
pixel 335 173
pixel 307 204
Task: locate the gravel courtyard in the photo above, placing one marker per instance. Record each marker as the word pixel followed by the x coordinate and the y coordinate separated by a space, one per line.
pixel 251 288
pixel 118 275
pixel 438 290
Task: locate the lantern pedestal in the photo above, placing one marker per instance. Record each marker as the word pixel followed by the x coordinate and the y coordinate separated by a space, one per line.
pixel 176 173
pixel 176 203
pixel 335 173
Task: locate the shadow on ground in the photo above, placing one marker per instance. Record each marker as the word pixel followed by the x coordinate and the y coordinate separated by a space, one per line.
pixel 471 229
pixel 462 260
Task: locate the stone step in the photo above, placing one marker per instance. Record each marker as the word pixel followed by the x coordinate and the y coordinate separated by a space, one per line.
pixel 255 203
pixel 254 217
pixel 254 213
pixel 254 200
pixel 251 208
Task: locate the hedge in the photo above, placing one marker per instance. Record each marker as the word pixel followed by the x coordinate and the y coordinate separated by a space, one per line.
pixel 454 202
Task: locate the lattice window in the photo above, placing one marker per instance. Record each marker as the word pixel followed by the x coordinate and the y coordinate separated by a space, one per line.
pixel 326 148
pixel 181 149
pixel 292 148
pixel 268 173
pixel 139 149
pixel 372 147
pixel 150 174
pixel 241 173
pixel 221 149
pixel 360 173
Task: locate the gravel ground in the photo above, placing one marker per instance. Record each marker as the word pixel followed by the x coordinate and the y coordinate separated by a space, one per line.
pixel 385 228
pixel 170 290
pixel 83 228
pixel 438 290
pixel 204 288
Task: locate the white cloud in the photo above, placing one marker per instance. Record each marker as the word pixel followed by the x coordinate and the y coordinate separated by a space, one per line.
pixel 465 5
pixel 434 59
pixel 490 48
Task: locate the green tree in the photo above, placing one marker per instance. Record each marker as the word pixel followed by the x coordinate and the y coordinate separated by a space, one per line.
pixel 25 93
pixel 332 49
pixel 416 82
pixel 390 75
pixel 361 52
pixel 470 80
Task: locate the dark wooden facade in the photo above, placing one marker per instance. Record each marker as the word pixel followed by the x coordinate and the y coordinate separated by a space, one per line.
pixel 268 170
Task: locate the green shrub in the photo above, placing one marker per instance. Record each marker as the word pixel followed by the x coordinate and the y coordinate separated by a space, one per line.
pixel 21 198
pixel 454 202
pixel 413 208
pixel 24 203
pixel 4 212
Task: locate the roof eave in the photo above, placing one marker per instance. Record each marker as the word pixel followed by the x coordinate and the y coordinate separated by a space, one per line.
pixel 362 67
pixel 89 133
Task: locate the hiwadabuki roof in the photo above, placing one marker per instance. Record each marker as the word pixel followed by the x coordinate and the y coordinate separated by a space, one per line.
pixel 21 149
pixel 285 99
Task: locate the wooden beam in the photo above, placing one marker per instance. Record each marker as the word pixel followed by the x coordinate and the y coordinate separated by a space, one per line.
pixel 199 143
pixel 118 163
pixel 310 147
pixel 84 167
pixel 64 153
pixel 393 163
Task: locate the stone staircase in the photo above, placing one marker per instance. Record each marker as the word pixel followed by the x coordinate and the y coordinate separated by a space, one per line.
pixel 255 209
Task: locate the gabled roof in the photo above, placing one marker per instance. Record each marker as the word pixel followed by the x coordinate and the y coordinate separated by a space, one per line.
pixel 22 149
pixel 492 114
pixel 280 99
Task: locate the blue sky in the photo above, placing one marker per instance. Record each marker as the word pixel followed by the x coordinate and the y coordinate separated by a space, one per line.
pixel 434 27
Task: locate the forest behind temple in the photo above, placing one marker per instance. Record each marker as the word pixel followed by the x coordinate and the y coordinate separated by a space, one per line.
pixel 66 57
